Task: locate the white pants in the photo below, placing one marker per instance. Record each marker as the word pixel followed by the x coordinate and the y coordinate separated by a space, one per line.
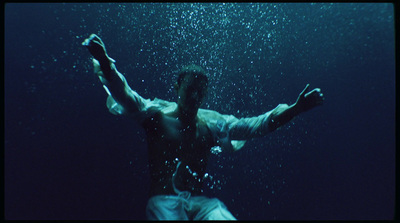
pixel 185 207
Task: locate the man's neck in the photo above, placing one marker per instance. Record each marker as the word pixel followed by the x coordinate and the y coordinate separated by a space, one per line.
pixel 187 118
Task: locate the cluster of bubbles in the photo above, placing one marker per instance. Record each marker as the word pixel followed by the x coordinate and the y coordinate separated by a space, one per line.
pixel 207 179
pixel 233 42
pixel 245 47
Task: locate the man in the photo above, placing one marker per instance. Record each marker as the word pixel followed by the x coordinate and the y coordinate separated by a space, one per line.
pixel 180 135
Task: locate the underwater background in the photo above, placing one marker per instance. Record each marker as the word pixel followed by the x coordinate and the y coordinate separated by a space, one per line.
pixel 67 158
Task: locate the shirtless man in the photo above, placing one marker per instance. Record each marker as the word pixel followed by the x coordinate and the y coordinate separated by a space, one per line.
pixel 180 135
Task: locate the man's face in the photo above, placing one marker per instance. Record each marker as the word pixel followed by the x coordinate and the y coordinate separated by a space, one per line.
pixel 191 93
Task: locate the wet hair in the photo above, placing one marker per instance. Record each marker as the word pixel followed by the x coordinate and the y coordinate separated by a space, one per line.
pixel 198 72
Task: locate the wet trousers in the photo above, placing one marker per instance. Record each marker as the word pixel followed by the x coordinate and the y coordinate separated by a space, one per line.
pixel 183 206
pixel 178 207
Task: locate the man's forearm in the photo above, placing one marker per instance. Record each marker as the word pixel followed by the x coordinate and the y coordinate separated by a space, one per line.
pixel 282 115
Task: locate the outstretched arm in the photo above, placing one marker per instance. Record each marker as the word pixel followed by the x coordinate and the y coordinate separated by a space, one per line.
pixel 114 82
pixel 246 128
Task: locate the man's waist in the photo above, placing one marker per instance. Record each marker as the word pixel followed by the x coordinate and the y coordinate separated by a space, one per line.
pixel 168 190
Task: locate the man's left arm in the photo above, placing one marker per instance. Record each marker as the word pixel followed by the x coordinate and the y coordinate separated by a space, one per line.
pixel 247 128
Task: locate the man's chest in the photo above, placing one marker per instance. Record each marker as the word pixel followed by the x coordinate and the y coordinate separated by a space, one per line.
pixel 171 131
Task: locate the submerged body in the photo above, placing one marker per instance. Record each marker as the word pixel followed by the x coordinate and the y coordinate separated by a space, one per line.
pixel 180 135
pixel 170 142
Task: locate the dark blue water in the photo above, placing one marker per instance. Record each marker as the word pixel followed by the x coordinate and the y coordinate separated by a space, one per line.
pixel 67 157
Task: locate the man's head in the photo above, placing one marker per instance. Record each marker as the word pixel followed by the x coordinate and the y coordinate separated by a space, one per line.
pixel 191 88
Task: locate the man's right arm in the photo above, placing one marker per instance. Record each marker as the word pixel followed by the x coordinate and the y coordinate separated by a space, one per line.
pixel 113 81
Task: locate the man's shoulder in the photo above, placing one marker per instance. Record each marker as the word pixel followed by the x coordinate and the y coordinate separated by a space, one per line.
pixel 154 108
pixel 162 106
pixel 163 102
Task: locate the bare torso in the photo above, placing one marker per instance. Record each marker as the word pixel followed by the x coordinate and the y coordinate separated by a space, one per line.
pixel 170 141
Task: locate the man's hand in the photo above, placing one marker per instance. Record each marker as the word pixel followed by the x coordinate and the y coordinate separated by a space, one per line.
pixel 307 101
pixel 97 49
